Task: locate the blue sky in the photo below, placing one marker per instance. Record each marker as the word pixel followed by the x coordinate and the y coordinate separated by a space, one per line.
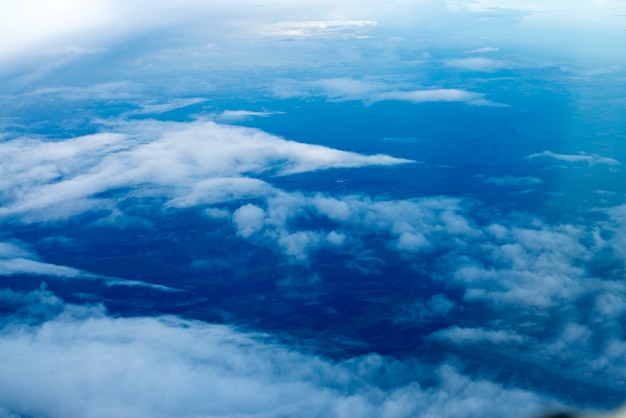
pixel 348 209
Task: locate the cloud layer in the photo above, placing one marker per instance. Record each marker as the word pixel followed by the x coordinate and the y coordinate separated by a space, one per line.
pixel 77 361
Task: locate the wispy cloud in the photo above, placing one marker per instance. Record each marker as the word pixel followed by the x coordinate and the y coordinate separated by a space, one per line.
pixel 320 28
pixel 16 260
pixel 176 159
pixel 513 181
pixel 411 226
pixel 345 89
pixel 158 108
pixel 238 115
pixel 591 159
pixel 118 90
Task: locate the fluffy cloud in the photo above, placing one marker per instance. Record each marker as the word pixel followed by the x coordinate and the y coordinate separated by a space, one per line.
pixel 78 361
pixel 409 226
pixel 548 294
pixel 248 219
pixel 527 267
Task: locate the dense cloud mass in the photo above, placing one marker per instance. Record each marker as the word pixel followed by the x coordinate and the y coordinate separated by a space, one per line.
pixel 77 361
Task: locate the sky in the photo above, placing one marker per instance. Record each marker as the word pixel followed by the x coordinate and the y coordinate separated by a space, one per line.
pixel 320 209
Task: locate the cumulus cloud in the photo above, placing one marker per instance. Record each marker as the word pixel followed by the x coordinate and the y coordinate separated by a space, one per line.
pixel 529 267
pixel 410 226
pixel 548 294
pixel 78 361
pixel 15 259
pixel 591 159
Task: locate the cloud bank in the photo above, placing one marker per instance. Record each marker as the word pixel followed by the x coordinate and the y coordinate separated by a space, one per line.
pixel 78 361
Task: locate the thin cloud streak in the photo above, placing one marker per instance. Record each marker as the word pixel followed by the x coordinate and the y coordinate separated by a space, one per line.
pixel 15 260
pixel 591 159
pixel 348 89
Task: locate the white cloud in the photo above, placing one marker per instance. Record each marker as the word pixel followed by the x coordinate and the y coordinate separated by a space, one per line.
pixel 81 362
pixel 321 28
pixel 237 115
pixel 248 219
pixel 222 189
pixel 344 89
pixel 28 266
pixel 591 159
pixel 16 260
pixel 432 95
pixel 531 267
pixel 191 163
